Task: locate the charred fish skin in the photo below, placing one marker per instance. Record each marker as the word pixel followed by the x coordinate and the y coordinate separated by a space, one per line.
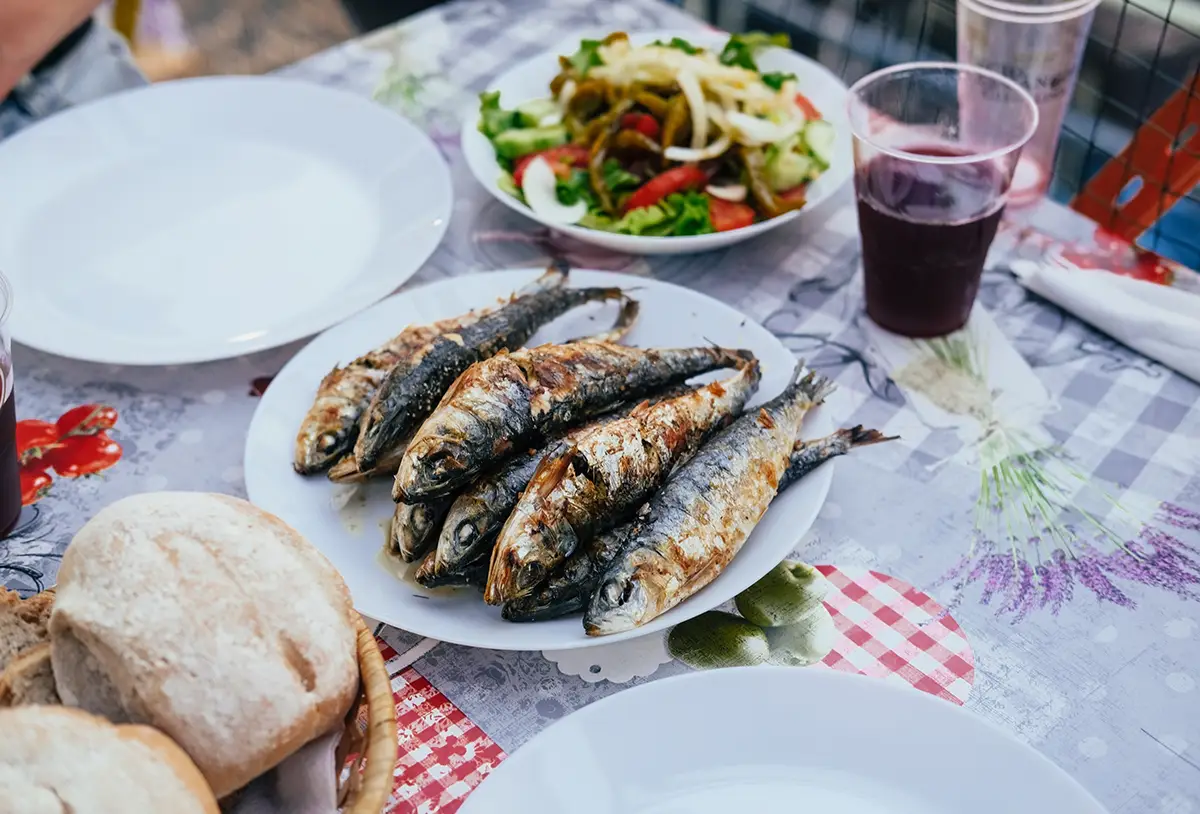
pixel 697 522
pixel 603 474
pixel 570 587
pixel 415 526
pixel 405 397
pixel 479 512
pixel 512 399
pixel 330 427
pixel 472 575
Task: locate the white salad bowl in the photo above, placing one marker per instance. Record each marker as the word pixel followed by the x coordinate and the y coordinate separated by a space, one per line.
pixel 531 80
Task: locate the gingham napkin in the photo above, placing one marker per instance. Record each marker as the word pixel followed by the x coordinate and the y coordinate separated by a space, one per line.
pixel 1161 322
pixel 303 783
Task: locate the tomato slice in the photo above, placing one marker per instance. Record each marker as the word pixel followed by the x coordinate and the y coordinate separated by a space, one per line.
pixel 561 159
pixel 644 123
pixel 676 179
pixel 807 107
pixel 727 215
pixel 797 194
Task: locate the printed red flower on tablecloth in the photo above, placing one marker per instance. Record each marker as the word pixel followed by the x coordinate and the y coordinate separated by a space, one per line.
pixel 75 445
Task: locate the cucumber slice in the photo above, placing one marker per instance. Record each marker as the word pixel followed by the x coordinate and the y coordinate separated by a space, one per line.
pixel 515 143
pixel 819 135
pixel 531 113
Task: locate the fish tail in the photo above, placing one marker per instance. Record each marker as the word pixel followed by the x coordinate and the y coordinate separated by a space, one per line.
pixel 813 386
pixel 554 277
pixel 625 317
pixel 858 437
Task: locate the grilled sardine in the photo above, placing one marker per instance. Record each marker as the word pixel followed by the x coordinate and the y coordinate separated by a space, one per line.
pixel 331 425
pixel 593 481
pixel 572 584
pixel 507 402
pixel 479 512
pixel 695 524
pixel 415 527
pixel 407 394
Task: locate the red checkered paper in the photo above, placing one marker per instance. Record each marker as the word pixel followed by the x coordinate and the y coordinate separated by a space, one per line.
pixel 443 754
pixel 891 630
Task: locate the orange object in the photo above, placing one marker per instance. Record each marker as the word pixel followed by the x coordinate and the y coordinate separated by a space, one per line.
pixel 1160 165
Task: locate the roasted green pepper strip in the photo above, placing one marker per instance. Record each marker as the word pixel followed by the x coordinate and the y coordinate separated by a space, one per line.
pixel 599 152
pixel 657 105
pixel 633 140
pixel 673 121
pixel 756 175
pixel 590 96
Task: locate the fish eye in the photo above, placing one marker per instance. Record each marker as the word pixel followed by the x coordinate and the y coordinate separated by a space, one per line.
pixel 465 532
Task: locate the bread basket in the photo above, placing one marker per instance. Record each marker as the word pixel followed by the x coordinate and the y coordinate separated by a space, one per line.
pixel 367 751
pixel 368 748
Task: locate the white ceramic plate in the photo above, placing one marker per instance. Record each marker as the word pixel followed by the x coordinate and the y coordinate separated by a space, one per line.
pixel 209 218
pixel 353 535
pixel 776 740
pixel 531 80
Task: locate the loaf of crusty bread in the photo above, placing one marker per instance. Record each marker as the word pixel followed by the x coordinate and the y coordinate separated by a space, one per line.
pixel 209 619
pixel 55 760
pixel 29 679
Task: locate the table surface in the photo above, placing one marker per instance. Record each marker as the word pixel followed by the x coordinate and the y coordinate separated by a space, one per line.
pixel 1090 657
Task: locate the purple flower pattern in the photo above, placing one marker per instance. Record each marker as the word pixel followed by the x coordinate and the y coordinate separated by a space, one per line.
pixel 1017 586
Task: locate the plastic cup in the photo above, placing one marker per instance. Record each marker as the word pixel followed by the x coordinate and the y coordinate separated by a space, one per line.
pixel 10 476
pixel 935 147
pixel 1039 46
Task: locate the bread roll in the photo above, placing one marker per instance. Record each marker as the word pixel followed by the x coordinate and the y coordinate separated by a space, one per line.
pixel 209 619
pixel 28 679
pixel 55 760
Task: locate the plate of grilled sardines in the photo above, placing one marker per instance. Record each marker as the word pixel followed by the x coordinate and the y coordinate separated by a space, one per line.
pixel 546 459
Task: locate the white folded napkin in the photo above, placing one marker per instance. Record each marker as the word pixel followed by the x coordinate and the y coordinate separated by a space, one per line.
pixel 304 783
pixel 1158 321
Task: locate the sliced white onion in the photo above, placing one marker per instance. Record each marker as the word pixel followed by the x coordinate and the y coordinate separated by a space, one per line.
pixel 565 93
pixel 753 131
pixel 734 192
pixel 550 120
pixel 540 187
pixel 690 85
pixel 689 156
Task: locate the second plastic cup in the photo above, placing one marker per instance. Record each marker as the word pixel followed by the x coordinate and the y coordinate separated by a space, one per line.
pixel 935 146
pixel 1039 46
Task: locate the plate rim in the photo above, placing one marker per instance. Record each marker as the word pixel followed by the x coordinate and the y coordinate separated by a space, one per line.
pixel 342 307
pixel 822 478
pixel 648 244
pixel 772 675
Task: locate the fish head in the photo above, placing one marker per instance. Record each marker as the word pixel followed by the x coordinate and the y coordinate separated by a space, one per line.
pixel 444 457
pixel 620 603
pixel 529 550
pixel 463 532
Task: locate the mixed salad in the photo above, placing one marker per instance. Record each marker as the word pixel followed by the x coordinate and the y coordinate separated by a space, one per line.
pixel 666 139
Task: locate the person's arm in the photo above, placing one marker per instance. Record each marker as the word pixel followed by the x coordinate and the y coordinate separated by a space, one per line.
pixel 29 29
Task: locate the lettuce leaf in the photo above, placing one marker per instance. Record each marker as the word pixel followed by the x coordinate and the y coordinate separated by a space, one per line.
pixel 494 120
pixel 587 57
pixel 741 48
pixel 678 215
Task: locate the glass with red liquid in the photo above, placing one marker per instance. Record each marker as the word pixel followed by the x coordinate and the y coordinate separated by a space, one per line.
pixel 10 475
pixel 935 146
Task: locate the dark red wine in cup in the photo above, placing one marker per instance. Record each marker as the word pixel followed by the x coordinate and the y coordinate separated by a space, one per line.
pixel 926 229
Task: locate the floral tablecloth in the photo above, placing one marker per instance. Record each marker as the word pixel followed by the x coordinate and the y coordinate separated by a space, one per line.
pixel 1082 643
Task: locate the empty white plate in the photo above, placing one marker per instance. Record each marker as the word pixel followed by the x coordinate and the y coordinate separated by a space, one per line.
pixel 348 523
pixel 209 218
pixel 776 740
